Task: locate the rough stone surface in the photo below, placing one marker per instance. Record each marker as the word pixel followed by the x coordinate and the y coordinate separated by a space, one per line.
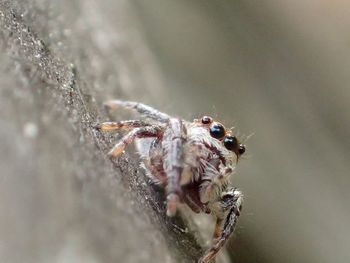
pixel 61 199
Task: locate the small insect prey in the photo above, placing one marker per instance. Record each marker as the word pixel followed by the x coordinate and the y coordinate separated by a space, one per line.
pixel 192 160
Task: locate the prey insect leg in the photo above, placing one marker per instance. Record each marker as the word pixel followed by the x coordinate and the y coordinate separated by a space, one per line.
pixel 143 132
pixel 141 108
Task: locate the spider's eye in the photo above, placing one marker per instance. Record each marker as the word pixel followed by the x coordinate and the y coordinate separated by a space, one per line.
pixel 207 120
pixel 241 149
pixel 217 131
pixel 231 143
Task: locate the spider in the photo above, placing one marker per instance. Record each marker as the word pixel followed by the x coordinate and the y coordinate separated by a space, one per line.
pixel 192 160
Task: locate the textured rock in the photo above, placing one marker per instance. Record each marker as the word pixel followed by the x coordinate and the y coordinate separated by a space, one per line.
pixel 61 199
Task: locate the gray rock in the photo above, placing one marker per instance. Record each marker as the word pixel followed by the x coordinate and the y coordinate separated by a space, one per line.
pixel 61 199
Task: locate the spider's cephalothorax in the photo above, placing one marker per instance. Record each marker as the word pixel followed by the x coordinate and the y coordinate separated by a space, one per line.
pixel 193 160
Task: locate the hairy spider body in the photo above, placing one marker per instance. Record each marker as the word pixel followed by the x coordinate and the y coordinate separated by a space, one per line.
pixel 192 160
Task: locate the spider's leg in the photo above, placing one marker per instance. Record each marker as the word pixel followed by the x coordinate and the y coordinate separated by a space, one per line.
pixel 112 126
pixel 173 162
pixel 143 132
pixel 141 108
pixel 227 210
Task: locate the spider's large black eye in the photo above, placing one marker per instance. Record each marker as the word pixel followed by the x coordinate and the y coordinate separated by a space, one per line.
pixel 207 120
pixel 231 143
pixel 217 131
pixel 241 149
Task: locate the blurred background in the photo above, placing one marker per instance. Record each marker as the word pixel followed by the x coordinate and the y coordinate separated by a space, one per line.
pixel 280 70
pixel 277 69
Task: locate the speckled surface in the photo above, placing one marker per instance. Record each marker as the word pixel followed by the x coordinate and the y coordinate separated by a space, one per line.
pixel 61 199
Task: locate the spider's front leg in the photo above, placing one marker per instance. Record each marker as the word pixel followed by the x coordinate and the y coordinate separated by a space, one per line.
pixel 227 211
pixel 141 108
pixel 143 132
pixel 173 162
pixel 113 126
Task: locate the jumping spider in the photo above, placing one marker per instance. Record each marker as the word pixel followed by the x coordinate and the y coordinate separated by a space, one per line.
pixel 193 160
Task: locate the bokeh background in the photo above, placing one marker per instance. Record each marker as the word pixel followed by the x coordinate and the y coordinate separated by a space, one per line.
pixel 277 69
pixel 280 70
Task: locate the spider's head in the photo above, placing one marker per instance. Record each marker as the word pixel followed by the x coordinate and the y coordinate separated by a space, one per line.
pixel 220 137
